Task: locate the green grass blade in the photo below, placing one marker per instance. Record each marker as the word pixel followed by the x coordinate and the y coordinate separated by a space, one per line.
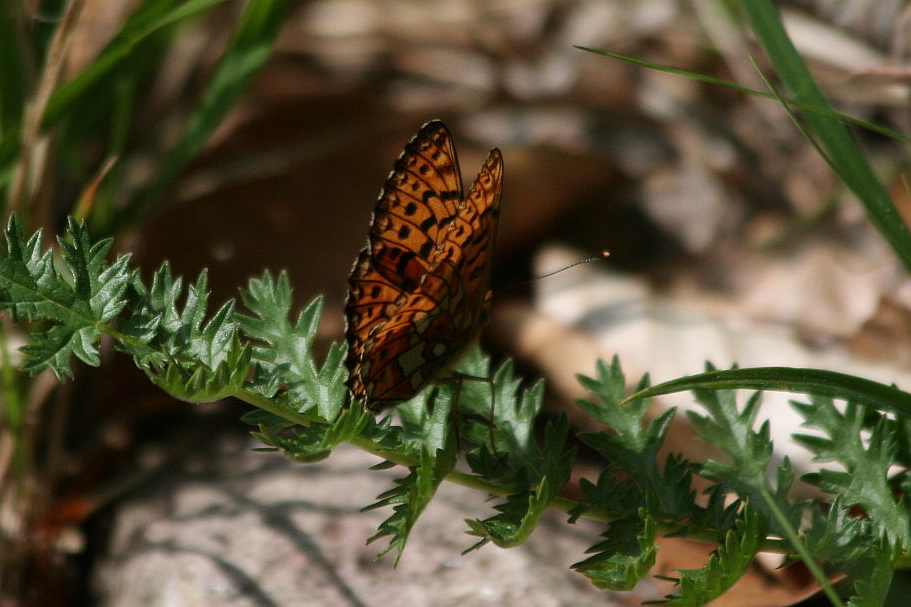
pixel 246 53
pixel 9 152
pixel 786 379
pixel 846 157
pixel 825 111
pixel 152 18
pixel 14 90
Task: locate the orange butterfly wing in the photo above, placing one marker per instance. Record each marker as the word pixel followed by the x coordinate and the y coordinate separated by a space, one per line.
pixel 417 292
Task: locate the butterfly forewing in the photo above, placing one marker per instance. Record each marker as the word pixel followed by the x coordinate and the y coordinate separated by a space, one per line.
pixel 417 292
pixel 410 205
pixel 423 190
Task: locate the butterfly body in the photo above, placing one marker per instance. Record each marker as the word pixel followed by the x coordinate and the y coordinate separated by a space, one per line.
pixel 418 292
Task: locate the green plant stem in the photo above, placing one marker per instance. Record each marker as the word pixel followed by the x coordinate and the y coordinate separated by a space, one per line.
pixel 471 481
pixel 801 548
pixel 267 404
pixel 13 402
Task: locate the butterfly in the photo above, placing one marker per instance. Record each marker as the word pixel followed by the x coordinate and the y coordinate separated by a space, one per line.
pixel 418 292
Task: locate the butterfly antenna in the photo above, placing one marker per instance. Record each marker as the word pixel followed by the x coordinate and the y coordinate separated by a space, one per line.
pixel 602 255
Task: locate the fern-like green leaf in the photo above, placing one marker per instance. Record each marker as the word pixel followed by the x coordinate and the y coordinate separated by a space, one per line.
pixel 199 381
pixel 732 431
pixel 80 299
pixel 864 481
pixel 413 492
pixel 853 545
pixel 546 472
pixel 749 452
pixel 500 422
pixel 872 576
pixel 668 488
pixel 285 351
pixel 725 566
pixel 193 359
pixel 838 536
pixel 314 442
pixel 625 557
pixel 625 418
pixel 632 447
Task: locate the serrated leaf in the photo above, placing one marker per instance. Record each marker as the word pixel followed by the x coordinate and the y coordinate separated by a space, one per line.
pixel 545 472
pixel 53 349
pixel 732 431
pixel 632 446
pixel 196 382
pixel 193 359
pixel 727 564
pixel 412 493
pixel 497 416
pixel 864 482
pixel 865 479
pixel 312 443
pixel 517 519
pixel 839 536
pixel 668 488
pixel 872 576
pixel 624 416
pixel 625 557
pixel 286 352
pixel 80 299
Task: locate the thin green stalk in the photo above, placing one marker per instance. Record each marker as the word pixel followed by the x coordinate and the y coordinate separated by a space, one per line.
pixel 800 548
pixel 13 404
pixel 847 159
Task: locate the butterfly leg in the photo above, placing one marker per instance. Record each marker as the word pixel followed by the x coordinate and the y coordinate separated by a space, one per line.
pixel 489 421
